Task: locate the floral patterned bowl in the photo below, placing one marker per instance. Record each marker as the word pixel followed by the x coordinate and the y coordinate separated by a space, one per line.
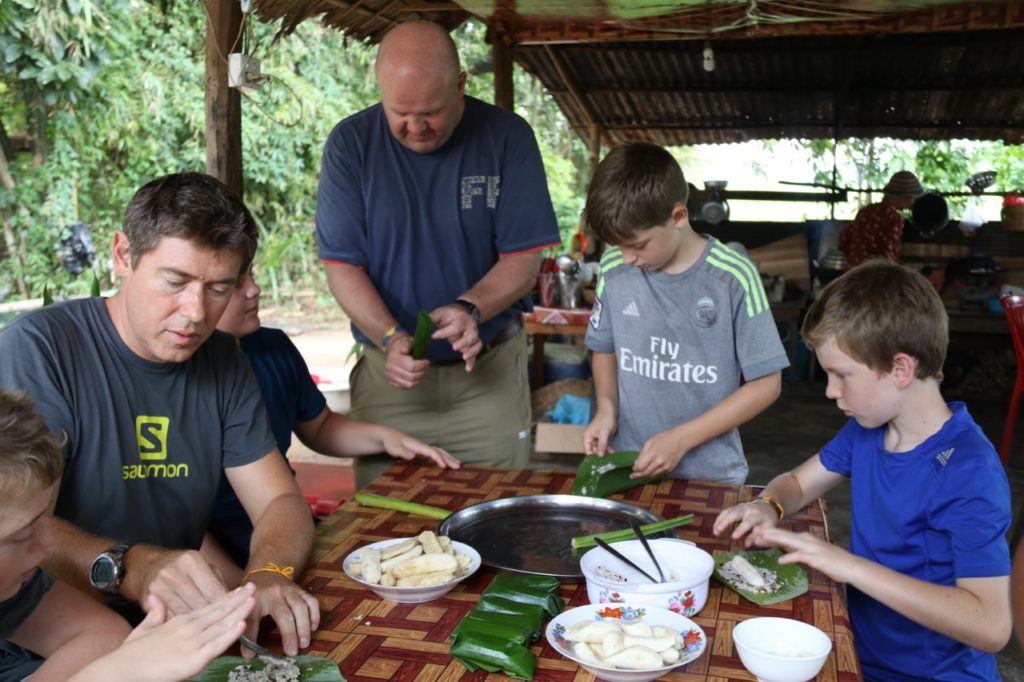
pixel 694 640
pixel 687 569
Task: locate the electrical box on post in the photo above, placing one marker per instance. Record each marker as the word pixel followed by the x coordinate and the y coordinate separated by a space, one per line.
pixel 243 72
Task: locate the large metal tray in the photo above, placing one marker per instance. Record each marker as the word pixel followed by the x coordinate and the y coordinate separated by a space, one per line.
pixel 533 534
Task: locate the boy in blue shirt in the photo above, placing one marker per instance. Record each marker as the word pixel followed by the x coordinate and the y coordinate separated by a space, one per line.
pixel 927 573
pixel 685 348
pixel 294 404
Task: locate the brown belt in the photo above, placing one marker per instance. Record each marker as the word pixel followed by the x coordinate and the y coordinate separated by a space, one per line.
pixel 504 334
pixel 507 332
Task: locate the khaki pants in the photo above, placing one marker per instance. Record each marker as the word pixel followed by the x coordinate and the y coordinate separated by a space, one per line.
pixel 480 417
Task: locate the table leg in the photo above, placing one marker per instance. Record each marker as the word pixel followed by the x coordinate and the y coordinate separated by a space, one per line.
pixel 538 361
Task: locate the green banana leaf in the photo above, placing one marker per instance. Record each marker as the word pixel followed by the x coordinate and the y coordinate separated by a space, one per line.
pixel 604 476
pixel 312 669
pixel 791 578
pixel 421 338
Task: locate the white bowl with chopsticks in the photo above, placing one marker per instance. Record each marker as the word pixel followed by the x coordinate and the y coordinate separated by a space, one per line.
pixel 412 594
pixel 687 570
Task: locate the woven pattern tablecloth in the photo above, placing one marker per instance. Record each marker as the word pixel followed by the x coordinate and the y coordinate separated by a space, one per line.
pixel 375 640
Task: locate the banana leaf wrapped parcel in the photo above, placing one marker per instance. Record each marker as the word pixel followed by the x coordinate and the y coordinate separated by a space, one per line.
pixel 493 654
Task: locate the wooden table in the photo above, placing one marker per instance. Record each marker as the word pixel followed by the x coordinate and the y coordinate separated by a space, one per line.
pixel 376 640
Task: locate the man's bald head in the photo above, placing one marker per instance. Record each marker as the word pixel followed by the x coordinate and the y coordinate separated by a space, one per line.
pixel 421 85
pixel 418 48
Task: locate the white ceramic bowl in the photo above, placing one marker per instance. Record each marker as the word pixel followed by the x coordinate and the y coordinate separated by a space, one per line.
pixel 413 595
pixel 687 568
pixel 692 633
pixel 781 649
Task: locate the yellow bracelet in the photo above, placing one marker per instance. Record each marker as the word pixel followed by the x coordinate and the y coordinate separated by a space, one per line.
pixel 768 499
pixel 388 334
pixel 286 571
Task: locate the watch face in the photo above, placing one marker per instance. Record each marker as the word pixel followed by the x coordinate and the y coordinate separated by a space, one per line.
pixel 102 573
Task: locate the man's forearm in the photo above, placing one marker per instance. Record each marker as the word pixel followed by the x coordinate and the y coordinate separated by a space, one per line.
pixel 73 553
pixel 283 535
pixel 359 298
pixel 511 278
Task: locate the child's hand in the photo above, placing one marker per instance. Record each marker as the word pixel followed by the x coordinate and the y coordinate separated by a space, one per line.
pixel 660 455
pixel 405 447
pixel 598 433
pixel 160 649
pixel 804 548
pixel 747 516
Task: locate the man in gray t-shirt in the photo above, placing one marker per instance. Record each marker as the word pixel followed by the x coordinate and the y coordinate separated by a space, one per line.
pixel 151 405
pixel 685 346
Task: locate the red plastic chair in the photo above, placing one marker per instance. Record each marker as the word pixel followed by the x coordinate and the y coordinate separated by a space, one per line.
pixel 1014 307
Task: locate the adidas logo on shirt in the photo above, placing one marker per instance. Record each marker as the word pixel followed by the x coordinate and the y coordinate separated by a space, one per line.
pixel 631 310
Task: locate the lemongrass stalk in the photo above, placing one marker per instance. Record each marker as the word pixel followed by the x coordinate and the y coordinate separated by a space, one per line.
pixel 587 541
pixel 384 502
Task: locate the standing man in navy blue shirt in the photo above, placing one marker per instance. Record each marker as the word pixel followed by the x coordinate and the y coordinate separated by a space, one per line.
pixel 438 201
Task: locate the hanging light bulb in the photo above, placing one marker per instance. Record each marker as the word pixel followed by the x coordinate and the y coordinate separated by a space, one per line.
pixel 709 57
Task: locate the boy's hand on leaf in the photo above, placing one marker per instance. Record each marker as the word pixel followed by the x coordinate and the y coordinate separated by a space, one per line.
pixel 809 550
pixel 747 517
pixel 598 433
pixel 660 455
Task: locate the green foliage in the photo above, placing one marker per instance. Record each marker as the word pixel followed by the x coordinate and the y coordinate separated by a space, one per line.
pixel 941 166
pixel 113 95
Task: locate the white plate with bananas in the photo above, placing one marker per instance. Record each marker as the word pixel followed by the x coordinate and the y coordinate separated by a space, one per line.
pixel 412 570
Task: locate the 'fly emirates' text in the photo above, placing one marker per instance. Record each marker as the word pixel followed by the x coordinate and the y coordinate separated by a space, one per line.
pixel 669 369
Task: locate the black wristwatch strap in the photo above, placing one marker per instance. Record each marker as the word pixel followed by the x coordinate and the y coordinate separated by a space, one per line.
pixel 469 307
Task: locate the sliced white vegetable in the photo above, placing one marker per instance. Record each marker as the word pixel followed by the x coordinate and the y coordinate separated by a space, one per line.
pixel 430 543
pixel 747 571
pixel 425 563
pixel 635 658
pixel 637 629
pixel 405 556
pixel 371 565
pixel 394 550
pixel 595 631
pixel 612 643
pixel 583 652
pixel 652 643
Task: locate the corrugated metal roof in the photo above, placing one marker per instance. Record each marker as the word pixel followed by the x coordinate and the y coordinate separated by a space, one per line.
pixel 930 69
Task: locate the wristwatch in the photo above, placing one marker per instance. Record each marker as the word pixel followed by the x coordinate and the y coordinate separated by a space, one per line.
pixel 107 570
pixel 470 308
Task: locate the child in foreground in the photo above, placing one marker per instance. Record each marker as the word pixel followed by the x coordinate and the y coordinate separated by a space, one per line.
pixel 79 638
pixel 685 348
pixel 928 569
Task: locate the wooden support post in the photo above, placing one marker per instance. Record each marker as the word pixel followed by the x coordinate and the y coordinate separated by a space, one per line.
pixel 223 104
pixel 504 91
pixel 595 147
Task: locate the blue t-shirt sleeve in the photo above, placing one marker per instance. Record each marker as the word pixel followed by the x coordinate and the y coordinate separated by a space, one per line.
pixel 311 401
pixel 837 454
pixel 340 211
pixel 525 219
pixel 976 513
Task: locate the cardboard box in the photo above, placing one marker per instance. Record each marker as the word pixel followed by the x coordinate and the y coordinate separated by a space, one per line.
pixel 551 437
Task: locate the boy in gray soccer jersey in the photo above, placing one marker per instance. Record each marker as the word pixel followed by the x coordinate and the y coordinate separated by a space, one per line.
pixel 685 348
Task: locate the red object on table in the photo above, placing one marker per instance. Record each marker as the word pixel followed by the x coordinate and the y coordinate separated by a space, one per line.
pixel 373 639
pixel 1014 307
